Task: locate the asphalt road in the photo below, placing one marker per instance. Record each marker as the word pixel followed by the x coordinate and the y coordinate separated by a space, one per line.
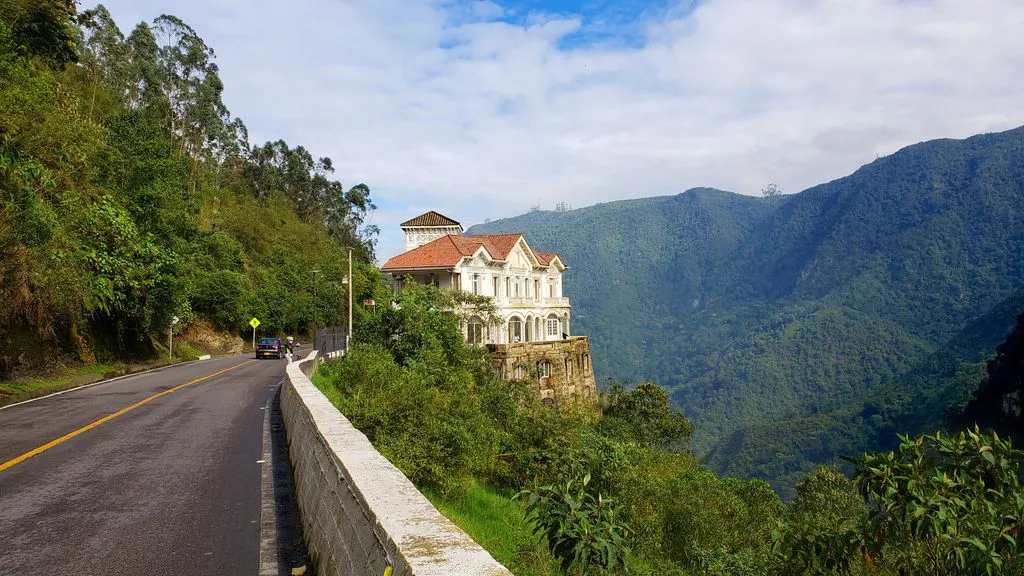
pixel 170 486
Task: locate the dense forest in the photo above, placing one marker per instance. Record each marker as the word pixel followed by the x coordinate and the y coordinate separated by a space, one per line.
pixel 129 195
pixel 794 328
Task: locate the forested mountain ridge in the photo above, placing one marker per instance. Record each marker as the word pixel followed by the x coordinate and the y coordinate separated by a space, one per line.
pixel 929 397
pixel 762 310
pixel 130 195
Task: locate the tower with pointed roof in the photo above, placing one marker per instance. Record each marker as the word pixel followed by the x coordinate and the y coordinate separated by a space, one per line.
pixel 428 227
pixel 532 334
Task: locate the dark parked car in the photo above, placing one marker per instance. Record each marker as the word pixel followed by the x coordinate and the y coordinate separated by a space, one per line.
pixel 270 348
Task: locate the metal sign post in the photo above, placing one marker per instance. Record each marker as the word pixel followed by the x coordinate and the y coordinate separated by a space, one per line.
pixel 254 323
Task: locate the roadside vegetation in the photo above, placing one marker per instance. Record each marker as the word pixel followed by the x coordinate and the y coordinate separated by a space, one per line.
pixel 129 195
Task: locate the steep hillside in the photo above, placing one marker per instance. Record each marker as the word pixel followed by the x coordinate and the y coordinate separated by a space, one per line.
pixel 129 196
pixel 639 267
pixel 758 310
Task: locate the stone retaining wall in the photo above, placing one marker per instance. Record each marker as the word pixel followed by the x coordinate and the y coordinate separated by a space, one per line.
pixel 360 515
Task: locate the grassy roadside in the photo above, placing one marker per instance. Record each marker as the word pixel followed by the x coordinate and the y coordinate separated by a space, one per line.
pixel 14 391
pixel 496 523
pixel 69 377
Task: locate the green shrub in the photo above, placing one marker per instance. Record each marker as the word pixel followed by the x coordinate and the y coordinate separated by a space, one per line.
pixel 945 504
pixel 581 528
pixel 820 529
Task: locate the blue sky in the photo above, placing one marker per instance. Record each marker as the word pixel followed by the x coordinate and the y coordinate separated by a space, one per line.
pixel 601 21
pixel 484 108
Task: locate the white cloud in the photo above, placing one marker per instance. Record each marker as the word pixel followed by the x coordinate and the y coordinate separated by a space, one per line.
pixel 443 107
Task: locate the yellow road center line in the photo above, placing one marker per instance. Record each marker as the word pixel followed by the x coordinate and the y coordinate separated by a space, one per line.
pixel 87 427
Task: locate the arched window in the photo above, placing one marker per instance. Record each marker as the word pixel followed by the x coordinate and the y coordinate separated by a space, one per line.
pixel 553 328
pixel 543 368
pixel 515 329
pixel 568 366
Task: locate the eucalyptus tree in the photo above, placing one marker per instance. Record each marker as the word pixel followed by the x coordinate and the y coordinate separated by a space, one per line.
pixel 101 53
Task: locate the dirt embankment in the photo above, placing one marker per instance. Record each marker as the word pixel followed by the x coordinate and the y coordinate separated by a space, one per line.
pixel 201 335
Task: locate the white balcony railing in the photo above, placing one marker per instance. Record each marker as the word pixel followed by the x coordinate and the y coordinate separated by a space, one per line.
pixel 535 302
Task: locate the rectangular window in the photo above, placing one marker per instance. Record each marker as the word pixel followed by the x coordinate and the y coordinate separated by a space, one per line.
pixel 551 289
pixel 517 287
pixel 476 283
pixel 552 327
pixel 476 333
pixel 508 287
pixel 536 289
pixel 495 293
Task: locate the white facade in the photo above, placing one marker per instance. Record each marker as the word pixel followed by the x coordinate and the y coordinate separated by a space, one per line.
pixel 527 294
pixel 416 236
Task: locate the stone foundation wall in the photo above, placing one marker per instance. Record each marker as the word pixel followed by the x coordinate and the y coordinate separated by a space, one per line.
pixel 563 369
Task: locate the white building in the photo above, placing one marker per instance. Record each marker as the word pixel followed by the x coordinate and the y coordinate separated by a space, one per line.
pixel 526 285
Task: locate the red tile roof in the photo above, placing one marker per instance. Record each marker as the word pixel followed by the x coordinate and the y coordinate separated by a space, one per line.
pixel 502 243
pixel 545 257
pixel 441 253
pixel 448 251
pixel 431 219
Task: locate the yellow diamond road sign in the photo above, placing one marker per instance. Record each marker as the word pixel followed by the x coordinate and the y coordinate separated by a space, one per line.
pixel 254 322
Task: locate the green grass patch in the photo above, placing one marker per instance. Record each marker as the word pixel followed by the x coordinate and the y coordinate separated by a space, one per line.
pixel 23 389
pixel 327 388
pixel 186 351
pixel 496 522
pixel 13 391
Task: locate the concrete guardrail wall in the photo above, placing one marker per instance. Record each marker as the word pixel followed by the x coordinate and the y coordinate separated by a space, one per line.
pixel 360 514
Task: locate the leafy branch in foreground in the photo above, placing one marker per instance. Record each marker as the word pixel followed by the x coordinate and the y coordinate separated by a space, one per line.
pixel 581 529
pixel 947 504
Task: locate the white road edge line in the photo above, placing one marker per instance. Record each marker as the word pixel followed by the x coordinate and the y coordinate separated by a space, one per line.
pixel 268 525
pixel 107 381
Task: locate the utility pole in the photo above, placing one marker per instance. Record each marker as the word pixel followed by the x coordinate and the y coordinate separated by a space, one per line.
pixel 348 333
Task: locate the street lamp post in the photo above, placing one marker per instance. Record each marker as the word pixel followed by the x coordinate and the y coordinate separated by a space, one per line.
pixel 348 281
